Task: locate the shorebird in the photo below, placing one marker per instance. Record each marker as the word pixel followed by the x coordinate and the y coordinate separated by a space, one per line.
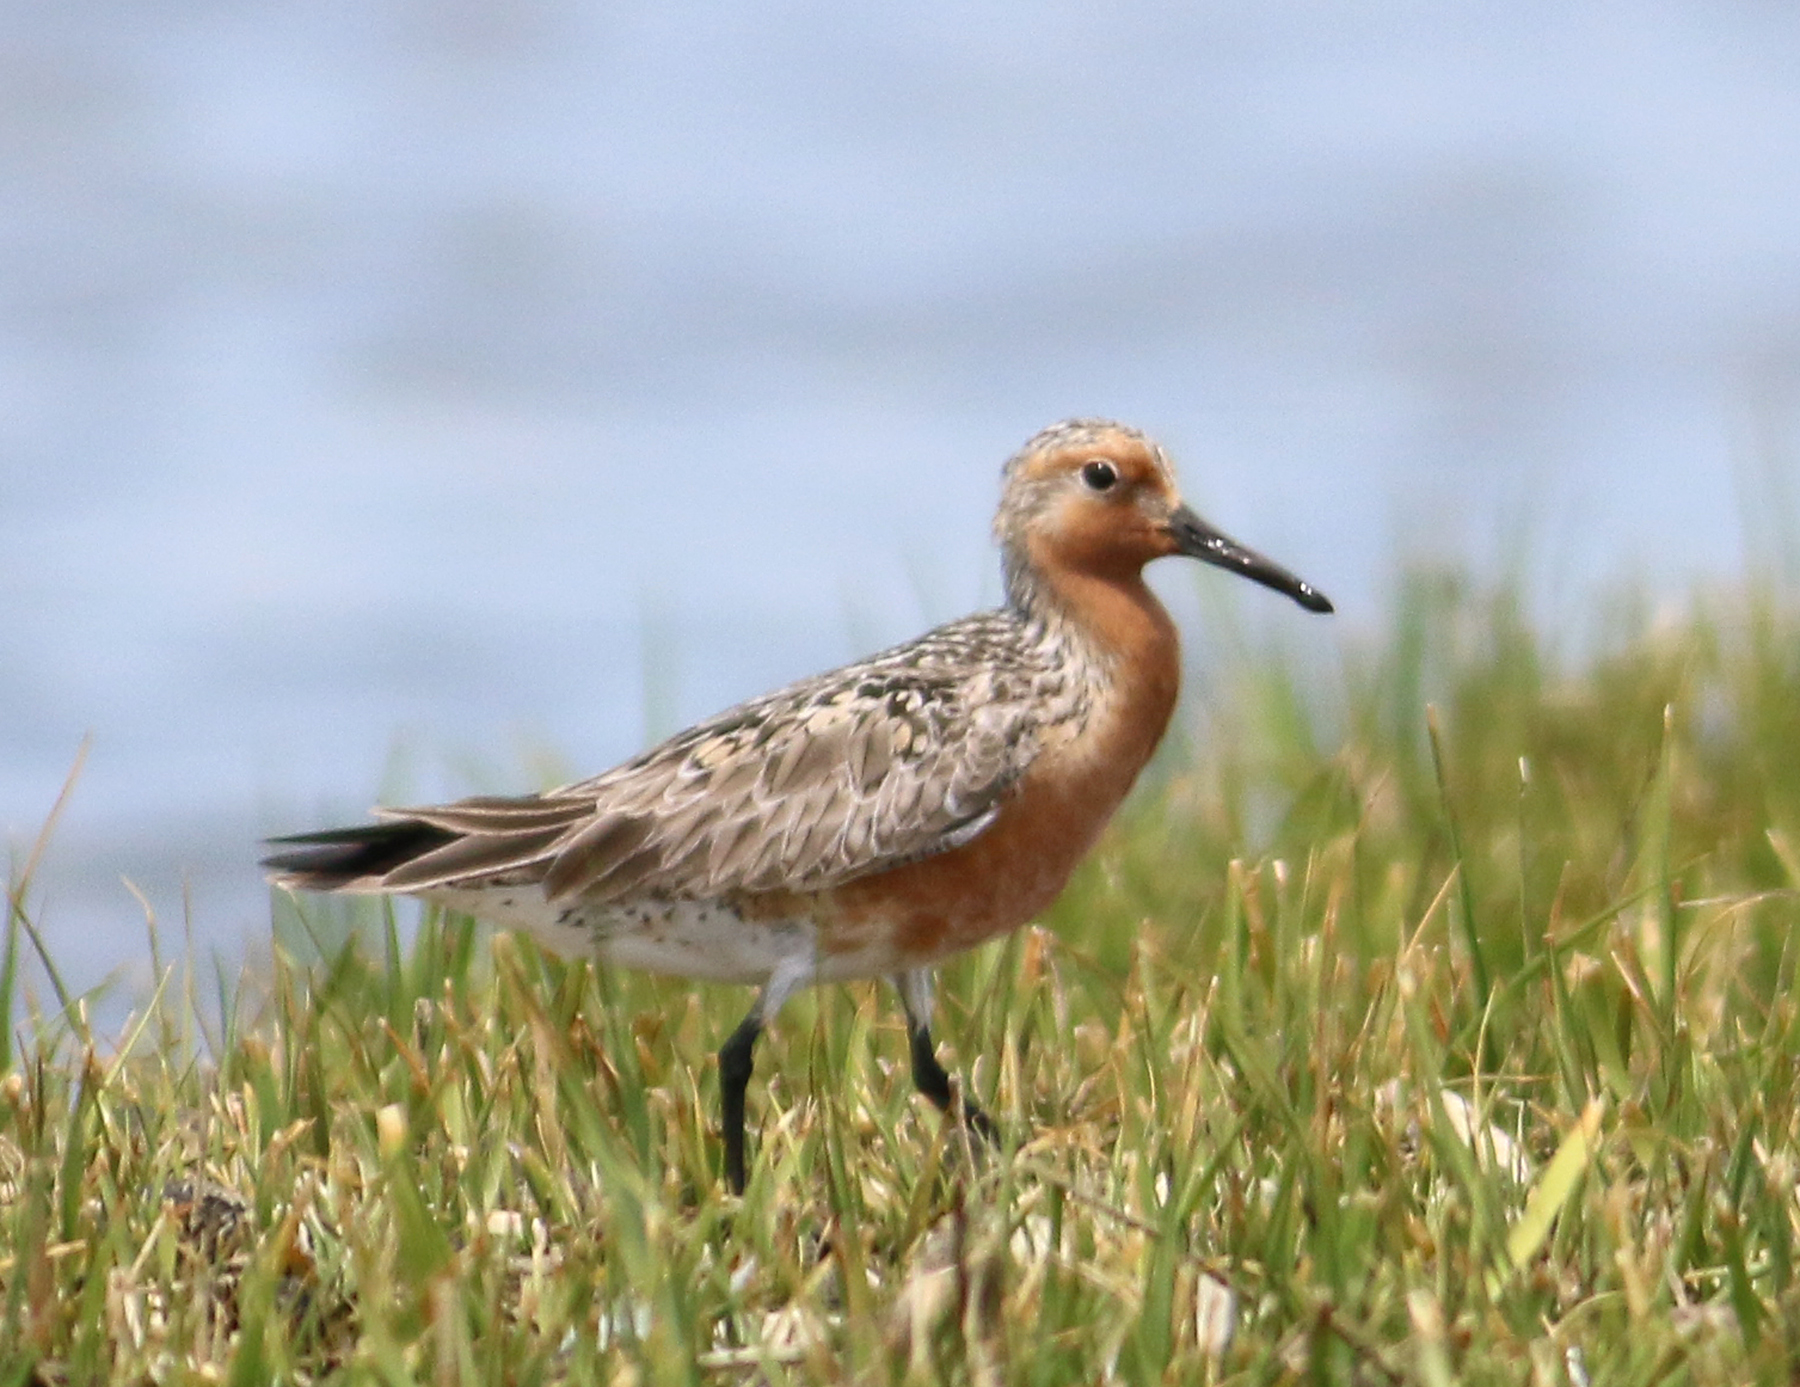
pixel 868 822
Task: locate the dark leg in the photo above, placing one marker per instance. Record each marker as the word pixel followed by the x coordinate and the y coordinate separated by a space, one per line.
pixel 790 974
pixel 928 1075
pixel 734 1077
pixel 931 1080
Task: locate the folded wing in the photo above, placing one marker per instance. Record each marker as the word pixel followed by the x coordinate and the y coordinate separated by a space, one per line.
pixel 842 775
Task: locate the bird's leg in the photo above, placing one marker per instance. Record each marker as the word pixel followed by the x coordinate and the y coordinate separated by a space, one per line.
pixel 736 1064
pixel 928 1075
pixel 734 1078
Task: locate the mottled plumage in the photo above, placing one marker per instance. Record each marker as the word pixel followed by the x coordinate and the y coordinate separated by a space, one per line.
pixel 864 822
pixel 885 761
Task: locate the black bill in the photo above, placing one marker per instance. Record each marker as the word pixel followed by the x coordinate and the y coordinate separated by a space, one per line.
pixel 1203 542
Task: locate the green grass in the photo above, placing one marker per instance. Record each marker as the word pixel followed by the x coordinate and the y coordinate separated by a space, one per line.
pixel 1421 1048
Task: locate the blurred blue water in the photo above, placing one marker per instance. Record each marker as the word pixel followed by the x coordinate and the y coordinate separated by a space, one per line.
pixel 396 375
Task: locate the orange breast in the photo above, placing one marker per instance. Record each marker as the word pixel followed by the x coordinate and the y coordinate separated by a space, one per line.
pixel 941 905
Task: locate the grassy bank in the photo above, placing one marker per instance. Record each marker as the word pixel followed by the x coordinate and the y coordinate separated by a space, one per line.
pixel 1372 1046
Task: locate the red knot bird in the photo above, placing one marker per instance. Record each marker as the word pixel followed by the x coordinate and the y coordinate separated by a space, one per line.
pixel 870 822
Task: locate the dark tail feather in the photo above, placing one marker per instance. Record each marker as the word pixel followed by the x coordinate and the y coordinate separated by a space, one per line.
pixel 341 857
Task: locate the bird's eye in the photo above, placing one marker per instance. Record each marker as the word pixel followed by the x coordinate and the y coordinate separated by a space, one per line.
pixel 1099 476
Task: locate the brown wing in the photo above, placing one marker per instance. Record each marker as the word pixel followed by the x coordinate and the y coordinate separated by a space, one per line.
pixel 881 763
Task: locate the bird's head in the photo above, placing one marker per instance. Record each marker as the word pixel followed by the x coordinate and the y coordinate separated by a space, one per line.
pixel 1093 497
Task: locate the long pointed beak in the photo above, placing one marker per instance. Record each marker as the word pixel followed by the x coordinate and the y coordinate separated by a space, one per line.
pixel 1199 540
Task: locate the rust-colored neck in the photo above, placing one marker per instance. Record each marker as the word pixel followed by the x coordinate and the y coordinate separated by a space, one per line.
pixel 1120 649
pixel 1110 614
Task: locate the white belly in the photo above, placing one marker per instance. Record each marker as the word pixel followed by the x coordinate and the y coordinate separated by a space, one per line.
pixel 690 939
